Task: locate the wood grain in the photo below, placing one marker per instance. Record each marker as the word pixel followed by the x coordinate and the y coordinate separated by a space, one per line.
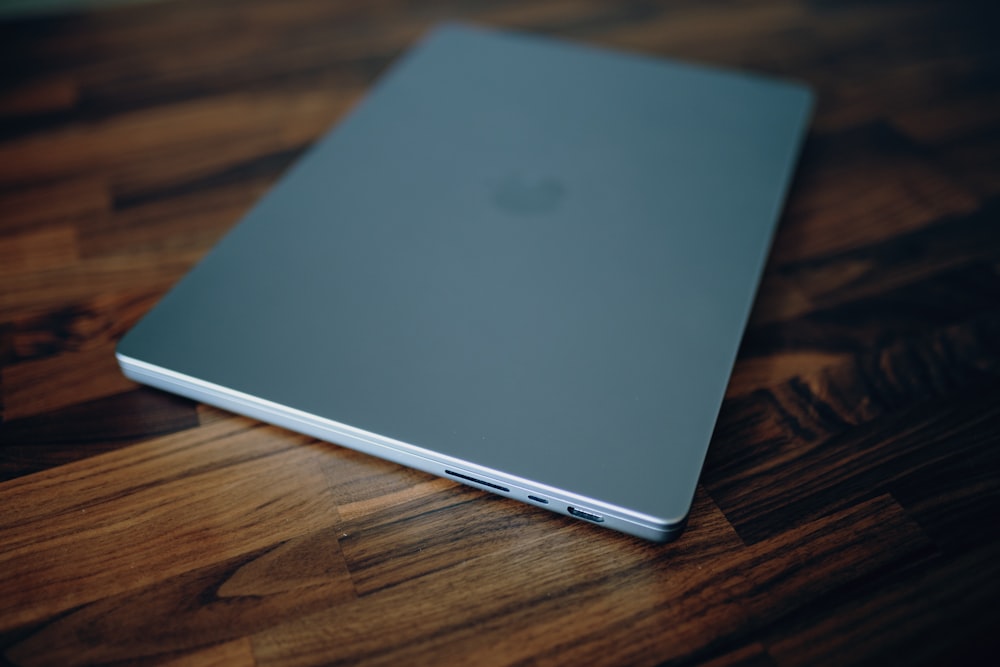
pixel 848 510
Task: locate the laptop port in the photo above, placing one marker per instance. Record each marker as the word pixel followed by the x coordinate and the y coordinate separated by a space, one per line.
pixel 475 480
pixel 583 514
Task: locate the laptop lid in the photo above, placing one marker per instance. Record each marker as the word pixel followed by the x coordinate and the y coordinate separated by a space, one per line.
pixel 519 263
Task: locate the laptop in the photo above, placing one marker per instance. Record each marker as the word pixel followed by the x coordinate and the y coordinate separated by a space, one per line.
pixel 521 264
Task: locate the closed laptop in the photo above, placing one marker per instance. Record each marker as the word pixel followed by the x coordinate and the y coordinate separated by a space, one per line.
pixel 521 264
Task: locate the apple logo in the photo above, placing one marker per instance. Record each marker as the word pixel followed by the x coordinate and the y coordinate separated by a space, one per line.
pixel 521 195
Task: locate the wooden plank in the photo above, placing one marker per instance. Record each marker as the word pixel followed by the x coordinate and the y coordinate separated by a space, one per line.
pixel 237 653
pixel 62 203
pixel 154 146
pixel 31 295
pixel 496 622
pixel 832 472
pixel 859 186
pixel 53 247
pixel 33 387
pixel 56 437
pixel 752 373
pixel 215 605
pixel 93 321
pixel 876 317
pixel 654 595
pixel 56 94
pixel 126 520
pixel 902 622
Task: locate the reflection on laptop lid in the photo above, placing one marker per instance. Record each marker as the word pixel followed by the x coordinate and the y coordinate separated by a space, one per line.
pixel 521 264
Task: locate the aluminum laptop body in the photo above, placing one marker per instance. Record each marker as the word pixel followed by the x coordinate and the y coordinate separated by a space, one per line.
pixel 521 264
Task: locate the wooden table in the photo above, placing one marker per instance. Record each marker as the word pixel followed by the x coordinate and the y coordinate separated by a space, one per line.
pixel 848 512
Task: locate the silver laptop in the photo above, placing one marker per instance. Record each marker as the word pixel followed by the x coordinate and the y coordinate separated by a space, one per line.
pixel 521 264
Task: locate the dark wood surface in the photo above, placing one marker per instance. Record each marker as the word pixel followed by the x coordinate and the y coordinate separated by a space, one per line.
pixel 848 511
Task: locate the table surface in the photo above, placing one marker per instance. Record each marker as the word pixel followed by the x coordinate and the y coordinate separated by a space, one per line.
pixel 848 510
